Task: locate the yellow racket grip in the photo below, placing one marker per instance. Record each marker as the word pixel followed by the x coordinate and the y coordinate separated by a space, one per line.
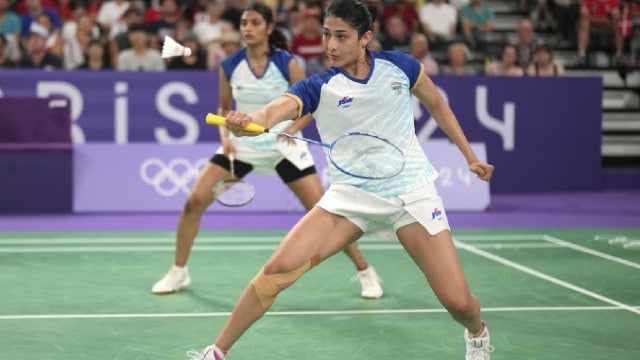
pixel 213 119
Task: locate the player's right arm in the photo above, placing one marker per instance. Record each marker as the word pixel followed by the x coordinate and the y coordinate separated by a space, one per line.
pixel 301 99
pixel 296 73
pixel 279 109
pixel 224 107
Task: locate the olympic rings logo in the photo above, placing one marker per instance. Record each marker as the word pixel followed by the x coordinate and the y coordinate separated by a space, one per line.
pixel 169 179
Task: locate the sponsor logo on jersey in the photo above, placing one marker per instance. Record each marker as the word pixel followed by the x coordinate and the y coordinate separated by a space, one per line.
pixel 397 87
pixel 345 102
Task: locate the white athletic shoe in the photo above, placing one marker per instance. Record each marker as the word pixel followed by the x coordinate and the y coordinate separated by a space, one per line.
pixel 478 348
pixel 176 279
pixel 370 282
pixel 209 353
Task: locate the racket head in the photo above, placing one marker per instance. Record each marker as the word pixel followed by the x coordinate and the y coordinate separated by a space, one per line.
pixel 234 192
pixel 366 156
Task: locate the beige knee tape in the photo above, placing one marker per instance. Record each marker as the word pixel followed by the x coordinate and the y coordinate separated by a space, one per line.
pixel 268 286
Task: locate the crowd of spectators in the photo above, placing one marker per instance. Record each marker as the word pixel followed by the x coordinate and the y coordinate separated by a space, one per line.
pixel 128 34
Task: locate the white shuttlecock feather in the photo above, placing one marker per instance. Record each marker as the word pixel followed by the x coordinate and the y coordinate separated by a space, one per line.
pixel 172 48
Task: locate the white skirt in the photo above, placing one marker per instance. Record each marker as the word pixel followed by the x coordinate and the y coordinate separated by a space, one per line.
pixel 376 215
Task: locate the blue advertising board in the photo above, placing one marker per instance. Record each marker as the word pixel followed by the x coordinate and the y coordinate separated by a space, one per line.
pixel 542 134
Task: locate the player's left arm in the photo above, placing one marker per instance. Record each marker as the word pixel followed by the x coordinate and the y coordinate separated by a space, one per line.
pixel 426 91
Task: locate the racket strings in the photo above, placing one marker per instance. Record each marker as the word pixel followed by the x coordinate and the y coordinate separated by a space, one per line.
pixel 234 192
pixel 367 156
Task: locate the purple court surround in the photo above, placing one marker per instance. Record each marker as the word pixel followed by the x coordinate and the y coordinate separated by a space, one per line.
pixel 592 209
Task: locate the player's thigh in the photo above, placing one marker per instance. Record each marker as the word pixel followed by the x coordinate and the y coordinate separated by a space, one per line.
pixel 308 189
pixel 437 258
pixel 209 176
pixel 318 235
pixel 301 177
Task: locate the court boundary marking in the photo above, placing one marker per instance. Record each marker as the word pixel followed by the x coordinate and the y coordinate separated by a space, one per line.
pixel 546 277
pixel 306 313
pixel 363 246
pixel 475 249
pixel 590 251
pixel 231 243
pixel 367 243
pixel 218 239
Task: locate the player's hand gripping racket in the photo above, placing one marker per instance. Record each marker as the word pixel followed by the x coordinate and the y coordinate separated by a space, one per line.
pixel 234 192
pixel 357 154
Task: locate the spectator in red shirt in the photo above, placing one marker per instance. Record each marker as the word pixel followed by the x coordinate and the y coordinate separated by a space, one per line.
pixel 396 36
pixel 70 8
pixel 153 12
pixel 22 6
pixel 404 9
pixel 629 18
pixel 308 44
pixel 600 14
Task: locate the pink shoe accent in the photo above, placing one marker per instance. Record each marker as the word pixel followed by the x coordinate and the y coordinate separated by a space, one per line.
pixel 483 333
pixel 218 354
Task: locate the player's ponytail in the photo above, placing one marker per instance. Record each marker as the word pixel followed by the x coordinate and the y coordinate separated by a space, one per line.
pixel 373 12
pixel 278 40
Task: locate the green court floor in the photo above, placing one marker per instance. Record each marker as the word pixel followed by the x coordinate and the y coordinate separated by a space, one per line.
pixel 546 294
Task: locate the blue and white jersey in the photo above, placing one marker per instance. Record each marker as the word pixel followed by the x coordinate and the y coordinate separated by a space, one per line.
pixel 252 92
pixel 379 105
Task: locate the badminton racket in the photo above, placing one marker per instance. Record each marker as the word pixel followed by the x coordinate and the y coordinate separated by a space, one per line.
pixel 357 154
pixel 234 192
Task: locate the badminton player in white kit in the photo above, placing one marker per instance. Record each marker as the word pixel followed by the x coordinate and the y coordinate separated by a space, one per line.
pixel 253 76
pixel 365 91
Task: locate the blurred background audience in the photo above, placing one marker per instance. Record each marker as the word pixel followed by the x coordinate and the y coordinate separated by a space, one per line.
pixel 95 33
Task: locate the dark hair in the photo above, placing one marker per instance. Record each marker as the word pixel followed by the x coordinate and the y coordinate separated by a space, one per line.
pixel 138 26
pixel 276 38
pixel 95 42
pixel 544 47
pixel 47 15
pixel 354 13
pixel 131 10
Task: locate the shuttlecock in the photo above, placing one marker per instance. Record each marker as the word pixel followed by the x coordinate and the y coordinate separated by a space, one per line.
pixel 172 48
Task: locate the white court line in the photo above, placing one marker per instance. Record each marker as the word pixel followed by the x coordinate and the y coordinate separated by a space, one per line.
pixel 97 240
pixel 229 239
pixel 503 237
pixel 305 313
pixel 589 251
pixel 543 276
pixel 202 240
pixel 104 249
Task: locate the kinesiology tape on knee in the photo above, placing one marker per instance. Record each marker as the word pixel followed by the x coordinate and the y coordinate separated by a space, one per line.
pixel 267 286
